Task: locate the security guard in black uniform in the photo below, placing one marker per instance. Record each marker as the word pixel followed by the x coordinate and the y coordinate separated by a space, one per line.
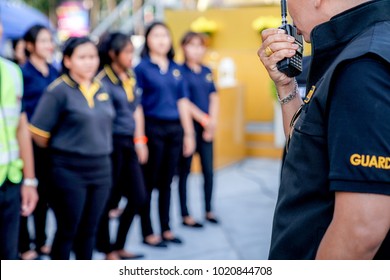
pixel 334 198
pixel 74 119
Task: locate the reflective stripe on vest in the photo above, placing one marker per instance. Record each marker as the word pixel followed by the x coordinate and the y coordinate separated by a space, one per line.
pixel 11 86
pixel 6 158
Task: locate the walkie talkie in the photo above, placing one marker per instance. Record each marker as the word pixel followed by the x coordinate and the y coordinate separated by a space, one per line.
pixel 291 66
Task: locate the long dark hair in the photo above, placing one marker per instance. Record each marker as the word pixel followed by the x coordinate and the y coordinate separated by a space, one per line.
pixel 146 50
pixel 115 42
pixel 31 35
pixel 69 47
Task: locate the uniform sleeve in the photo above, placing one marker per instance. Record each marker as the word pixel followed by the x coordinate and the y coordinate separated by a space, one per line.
pixel 47 114
pixel 137 95
pixel 137 91
pixel 139 85
pixel 139 77
pixel 183 89
pixel 210 79
pixel 358 128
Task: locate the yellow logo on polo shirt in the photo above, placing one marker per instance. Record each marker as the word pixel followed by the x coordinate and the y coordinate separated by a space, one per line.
pixel 103 96
pixel 310 94
pixel 379 162
pixel 176 73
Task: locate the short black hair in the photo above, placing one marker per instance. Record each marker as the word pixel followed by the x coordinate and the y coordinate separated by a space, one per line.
pixel 146 50
pixel 69 47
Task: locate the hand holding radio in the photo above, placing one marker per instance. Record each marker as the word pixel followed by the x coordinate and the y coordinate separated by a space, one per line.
pixel 281 53
pixel 291 66
pixel 277 46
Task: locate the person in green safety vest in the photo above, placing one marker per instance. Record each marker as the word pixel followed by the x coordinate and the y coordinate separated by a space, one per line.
pixel 18 194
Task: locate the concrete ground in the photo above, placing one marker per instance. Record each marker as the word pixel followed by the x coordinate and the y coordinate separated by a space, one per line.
pixel 244 199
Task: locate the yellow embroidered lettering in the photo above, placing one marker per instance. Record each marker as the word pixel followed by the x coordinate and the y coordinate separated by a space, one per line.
pixel 387 163
pixel 355 159
pixel 310 94
pixel 373 162
pixel 379 162
pixel 382 162
pixel 365 160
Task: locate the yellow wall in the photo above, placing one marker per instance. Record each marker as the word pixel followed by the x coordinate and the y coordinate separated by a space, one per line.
pixel 229 144
pixel 235 38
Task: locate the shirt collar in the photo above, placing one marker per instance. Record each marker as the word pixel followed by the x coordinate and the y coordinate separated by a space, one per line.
pixel 149 60
pixel 72 83
pixel 342 28
pixel 330 38
pixel 114 78
pixel 31 68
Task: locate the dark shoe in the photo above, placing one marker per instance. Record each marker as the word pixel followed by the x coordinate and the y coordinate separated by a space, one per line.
pixel 212 220
pixel 194 225
pixel 123 255
pixel 173 240
pixel 160 244
pixel 132 257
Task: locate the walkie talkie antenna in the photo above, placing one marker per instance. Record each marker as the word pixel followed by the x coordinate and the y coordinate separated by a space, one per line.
pixel 284 11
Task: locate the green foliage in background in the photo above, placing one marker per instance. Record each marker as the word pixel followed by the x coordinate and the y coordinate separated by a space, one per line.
pixel 44 6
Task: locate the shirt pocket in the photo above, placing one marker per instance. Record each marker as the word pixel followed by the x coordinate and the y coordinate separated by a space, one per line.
pixel 308 127
pixel 311 120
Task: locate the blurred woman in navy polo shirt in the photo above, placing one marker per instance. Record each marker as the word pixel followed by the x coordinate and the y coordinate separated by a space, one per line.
pixel 129 141
pixel 204 107
pixel 37 75
pixel 168 125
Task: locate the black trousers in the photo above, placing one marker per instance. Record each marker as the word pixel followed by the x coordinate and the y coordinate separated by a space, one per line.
pixel 9 220
pixel 127 181
pixel 42 167
pixel 205 151
pixel 165 146
pixel 81 186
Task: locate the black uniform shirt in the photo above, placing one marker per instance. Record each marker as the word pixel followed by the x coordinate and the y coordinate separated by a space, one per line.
pixel 125 96
pixel 77 120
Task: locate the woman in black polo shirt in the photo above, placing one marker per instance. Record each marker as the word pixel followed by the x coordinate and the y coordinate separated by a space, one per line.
pixel 168 125
pixel 116 53
pixel 74 119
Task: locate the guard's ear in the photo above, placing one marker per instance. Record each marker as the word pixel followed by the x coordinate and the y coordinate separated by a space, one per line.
pixel 317 3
